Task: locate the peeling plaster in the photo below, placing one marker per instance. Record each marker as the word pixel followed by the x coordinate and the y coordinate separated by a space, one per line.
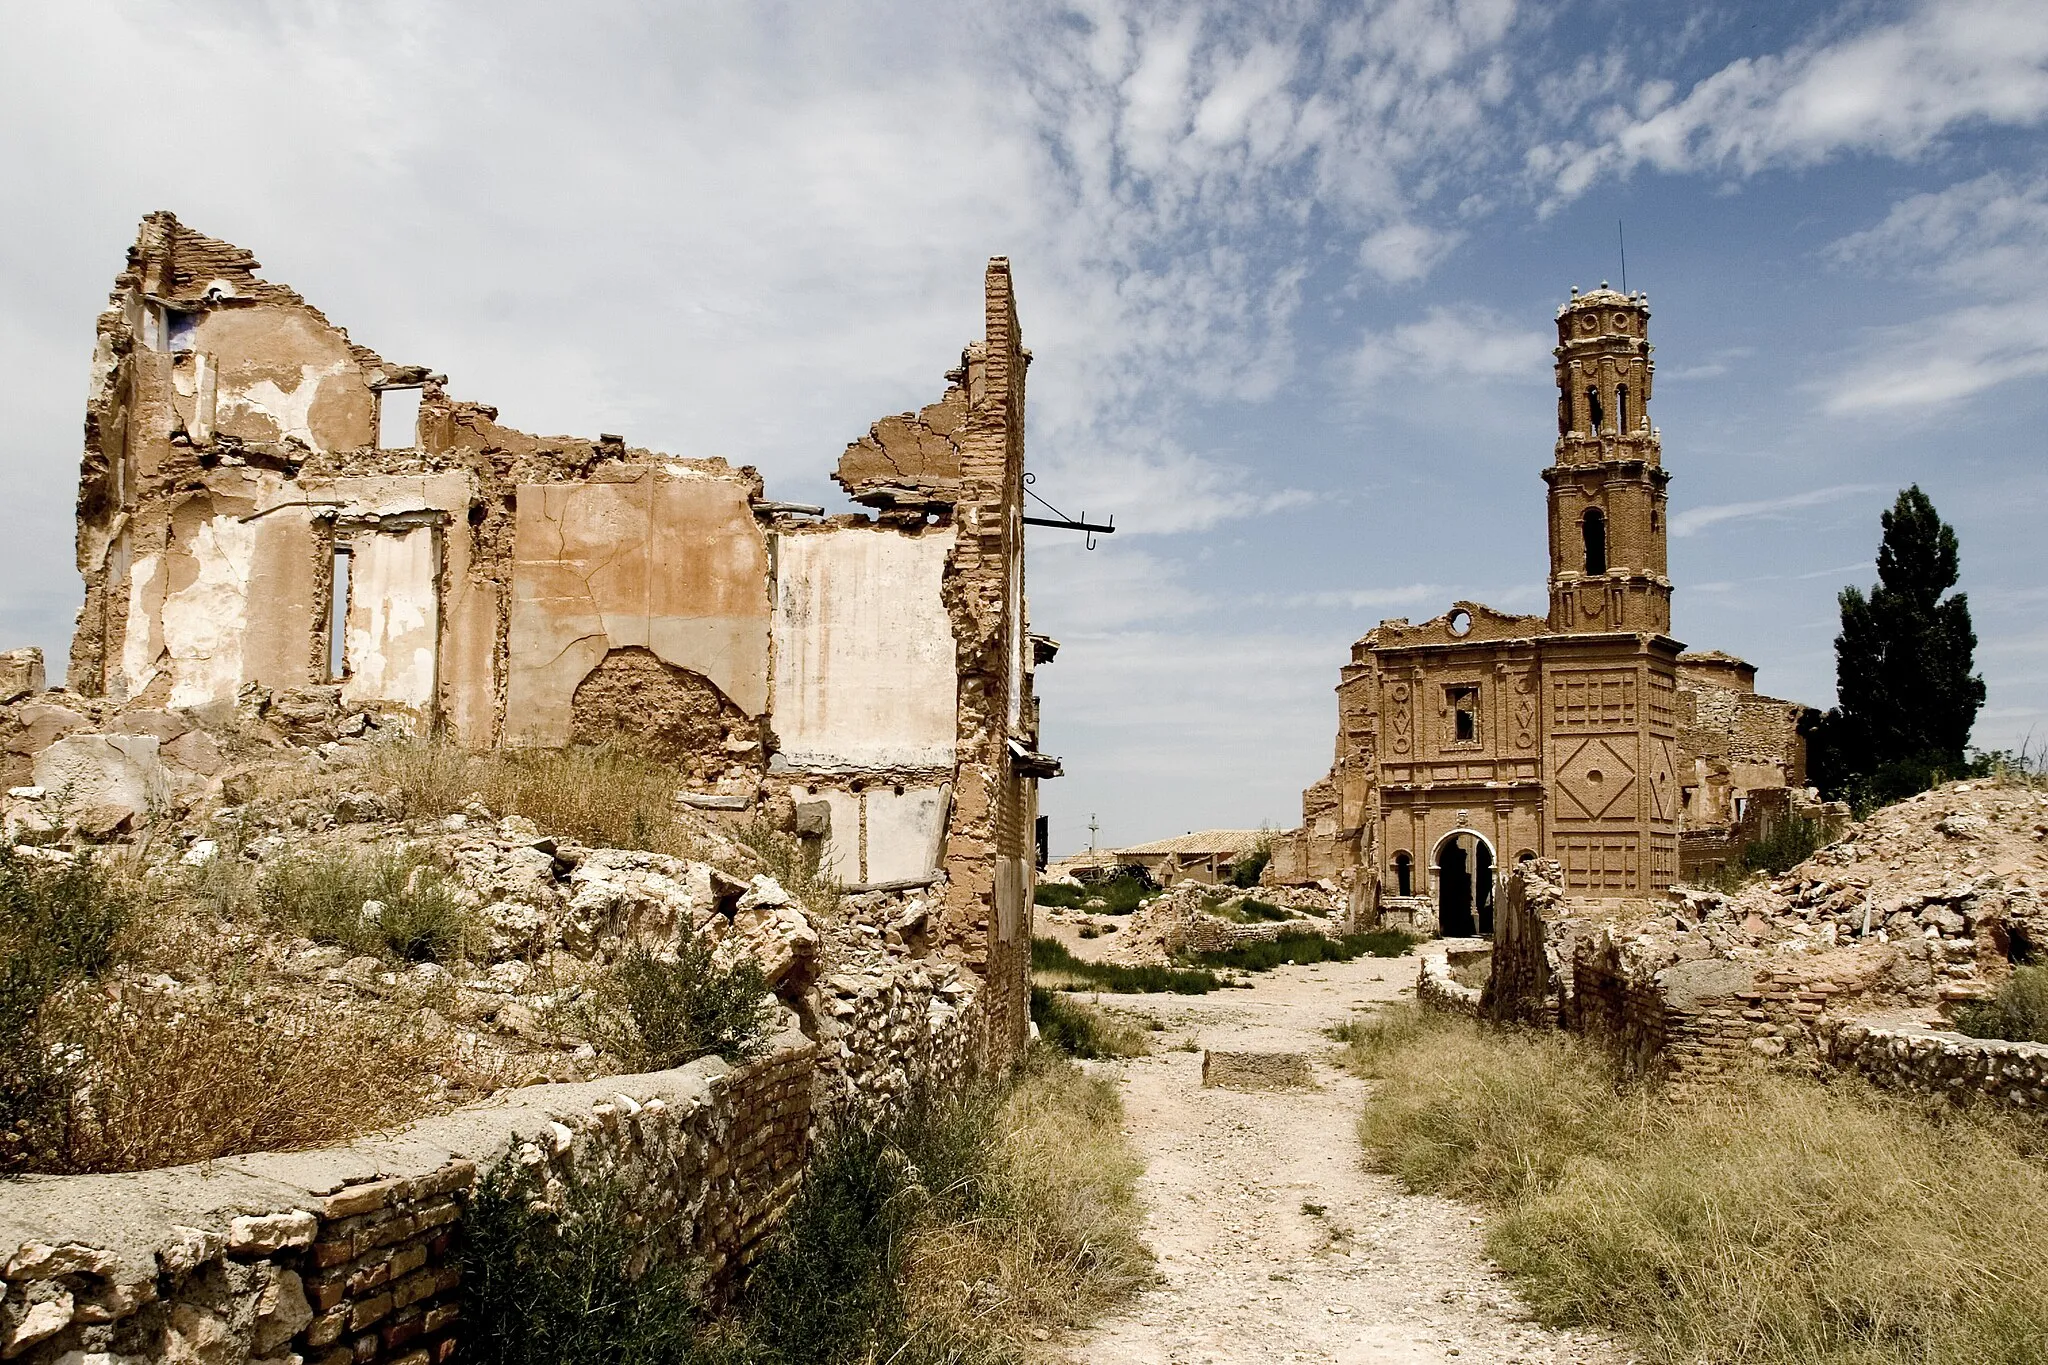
pixel 291 411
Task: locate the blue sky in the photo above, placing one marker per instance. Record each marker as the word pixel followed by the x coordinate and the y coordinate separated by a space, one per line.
pixel 1288 271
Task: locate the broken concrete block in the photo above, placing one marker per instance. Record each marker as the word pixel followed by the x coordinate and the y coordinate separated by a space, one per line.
pixel 102 783
pixel 21 674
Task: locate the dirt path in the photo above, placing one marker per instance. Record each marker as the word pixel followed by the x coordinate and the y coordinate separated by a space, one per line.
pixel 1274 1242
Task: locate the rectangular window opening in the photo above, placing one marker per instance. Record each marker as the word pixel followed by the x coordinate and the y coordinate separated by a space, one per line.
pixel 1465 714
pixel 337 616
pixel 182 330
pixel 398 419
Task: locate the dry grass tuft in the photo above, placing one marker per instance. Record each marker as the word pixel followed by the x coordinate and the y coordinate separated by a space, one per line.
pixel 163 1080
pixel 1055 1241
pixel 967 1228
pixel 609 795
pixel 1767 1220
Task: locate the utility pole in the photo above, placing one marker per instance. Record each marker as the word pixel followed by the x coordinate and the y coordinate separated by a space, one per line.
pixel 1093 829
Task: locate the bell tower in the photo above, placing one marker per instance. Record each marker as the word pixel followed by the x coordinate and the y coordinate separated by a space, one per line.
pixel 1607 482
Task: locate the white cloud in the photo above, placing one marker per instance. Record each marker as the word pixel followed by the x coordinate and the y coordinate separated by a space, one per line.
pixel 1405 252
pixel 1891 89
pixel 1696 519
pixel 1374 599
pixel 1452 342
pixel 1979 238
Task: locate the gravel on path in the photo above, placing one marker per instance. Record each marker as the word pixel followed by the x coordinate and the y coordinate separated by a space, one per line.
pixel 1275 1243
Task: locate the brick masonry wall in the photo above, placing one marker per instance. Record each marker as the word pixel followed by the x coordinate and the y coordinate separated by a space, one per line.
pixel 350 1255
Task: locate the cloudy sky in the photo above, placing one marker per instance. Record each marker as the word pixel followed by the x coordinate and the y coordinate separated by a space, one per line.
pixel 1288 271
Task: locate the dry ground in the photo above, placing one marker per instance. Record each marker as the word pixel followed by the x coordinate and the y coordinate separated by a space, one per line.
pixel 1274 1242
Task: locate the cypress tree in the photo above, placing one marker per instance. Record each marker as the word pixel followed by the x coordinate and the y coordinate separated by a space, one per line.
pixel 1905 695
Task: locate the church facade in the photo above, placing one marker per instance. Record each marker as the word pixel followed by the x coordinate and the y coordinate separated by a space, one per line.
pixel 1480 737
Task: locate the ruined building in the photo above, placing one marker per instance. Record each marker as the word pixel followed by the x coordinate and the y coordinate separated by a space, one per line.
pixel 267 508
pixel 1585 735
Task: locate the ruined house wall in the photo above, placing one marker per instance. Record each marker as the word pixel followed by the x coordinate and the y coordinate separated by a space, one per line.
pixel 989 862
pixel 1733 743
pixel 255 505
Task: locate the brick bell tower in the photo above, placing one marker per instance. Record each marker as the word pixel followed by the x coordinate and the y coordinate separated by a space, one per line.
pixel 1607 484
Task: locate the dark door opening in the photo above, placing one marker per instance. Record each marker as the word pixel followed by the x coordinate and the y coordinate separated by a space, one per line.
pixel 1454 891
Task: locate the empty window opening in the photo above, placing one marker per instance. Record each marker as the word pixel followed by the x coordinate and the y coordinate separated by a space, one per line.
pixel 398 419
pixel 1595 527
pixel 1464 714
pixel 1564 415
pixel 1404 875
pixel 1594 412
pixel 1621 407
pixel 337 616
pixel 182 331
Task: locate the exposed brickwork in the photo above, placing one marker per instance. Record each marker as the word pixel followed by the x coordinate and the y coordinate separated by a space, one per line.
pixel 351 1256
pixel 1471 740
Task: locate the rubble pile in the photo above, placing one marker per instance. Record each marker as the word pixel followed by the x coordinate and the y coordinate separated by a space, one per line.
pixel 1186 919
pixel 213 800
pixel 1952 884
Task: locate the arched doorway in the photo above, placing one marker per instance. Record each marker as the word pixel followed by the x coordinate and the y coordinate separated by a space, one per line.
pixel 1464 885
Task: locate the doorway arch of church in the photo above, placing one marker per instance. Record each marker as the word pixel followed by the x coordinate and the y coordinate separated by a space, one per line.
pixel 1463 867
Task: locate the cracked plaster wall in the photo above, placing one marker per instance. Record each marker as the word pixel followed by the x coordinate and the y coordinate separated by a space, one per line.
pixel 232 444
pixel 865 661
pixel 643 559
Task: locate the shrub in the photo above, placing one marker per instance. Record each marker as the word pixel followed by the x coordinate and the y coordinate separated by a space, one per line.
pixel 1124 892
pixel 581 1280
pixel 1246 871
pixel 2018 1013
pixel 323 895
pixel 1063 895
pixel 1769 1219
pixel 1080 1030
pixel 1056 966
pixel 59 925
pixel 652 1012
pixel 1303 947
pixel 1787 844
pixel 1245 910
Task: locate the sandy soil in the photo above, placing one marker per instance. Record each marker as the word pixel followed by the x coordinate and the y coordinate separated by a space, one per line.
pixel 1274 1242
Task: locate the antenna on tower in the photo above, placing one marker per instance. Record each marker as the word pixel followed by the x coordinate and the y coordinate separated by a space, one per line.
pixel 1093 830
pixel 1624 254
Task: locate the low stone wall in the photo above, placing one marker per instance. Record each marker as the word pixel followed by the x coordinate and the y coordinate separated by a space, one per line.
pixel 1938 1063
pixel 347 1255
pixel 1437 989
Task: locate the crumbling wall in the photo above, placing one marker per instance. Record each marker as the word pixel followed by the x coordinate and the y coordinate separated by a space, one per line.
pixel 1935 1062
pixel 1735 748
pixel 351 1255
pixel 635 558
pixel 259 507
pixel 1531 965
